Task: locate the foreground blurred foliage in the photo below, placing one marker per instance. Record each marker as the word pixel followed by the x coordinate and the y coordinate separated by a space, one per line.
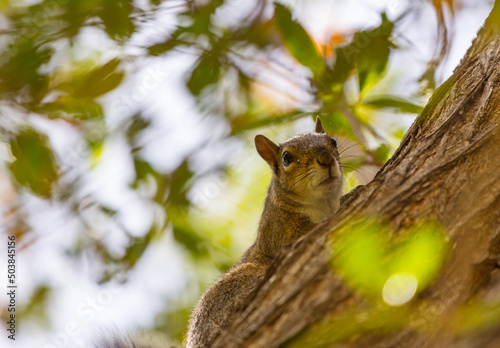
pixel 367 245
pixel 43 82
pixel 388 270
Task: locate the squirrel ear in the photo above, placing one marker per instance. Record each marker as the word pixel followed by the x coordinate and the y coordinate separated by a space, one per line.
pixel 267 150
pixel 319 126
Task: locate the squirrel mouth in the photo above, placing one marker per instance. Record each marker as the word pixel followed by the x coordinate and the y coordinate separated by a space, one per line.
pixel 328 181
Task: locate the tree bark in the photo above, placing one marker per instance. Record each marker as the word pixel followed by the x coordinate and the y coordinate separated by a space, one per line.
pixel 447 169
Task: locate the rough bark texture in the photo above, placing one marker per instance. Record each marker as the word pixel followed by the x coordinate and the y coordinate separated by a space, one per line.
pixel 447 168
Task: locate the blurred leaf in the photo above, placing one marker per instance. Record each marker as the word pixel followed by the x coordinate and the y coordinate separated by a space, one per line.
pixel 136 248
pixel 95 154
pixel 178 185
pixel 116 15
pixel 369 258
pixel 169 44
pixel 343 66
pixel 335 123
pixel 297 41
pixel 248 122
pixel 244 82
pixel 107 210
pixel 382 153
pixel 4 4
pixel 175 321
pixel 37 306
pixel 206 72
pixel 201 15
pixel 360 256
pixel 393 102
pixel 162 48
pixel 331 82
pixel 97 82
pixel 176 208
pixel 367 54
pixel 142 170
pixel 95 134
pixel 21 68
pixel 34 167
pixel 138 124
pixel 190 240
pixel 76 108
pixel 373 49
pixel 422 254
pixel 260 33
pixel 76 14
pixel 184 233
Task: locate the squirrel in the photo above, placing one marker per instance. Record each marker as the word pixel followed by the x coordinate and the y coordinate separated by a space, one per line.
pixel 306 186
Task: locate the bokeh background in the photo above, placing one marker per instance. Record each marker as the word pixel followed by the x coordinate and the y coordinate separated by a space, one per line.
pixel 127 168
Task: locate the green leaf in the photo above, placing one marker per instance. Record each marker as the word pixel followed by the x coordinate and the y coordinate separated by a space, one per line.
pixel 142 170
pixel 360 256
pixel 422 254
pixel 36 309
pixel 370 258
pixel 98 82
pixel 76 14
pixel 75 108
pixel 373 49
pixel 382 153
pixel 169 44
pixel 393 103
pixel 4 4
pixel 343 66
pixel 190 240
pixel 138 124
pixel 202 16
pixel 297 41
pixel 184 233
pixel 116 15
pixel 335 123
pixel 249 122
pixel 162 48
pixel 259 33
pixel 34 167
pixel 20 68
pixel 178 185
pixel 206 73
pixel 136 248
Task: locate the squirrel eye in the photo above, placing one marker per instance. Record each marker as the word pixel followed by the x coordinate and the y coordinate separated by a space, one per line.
pixel 287 158
pixel 334 142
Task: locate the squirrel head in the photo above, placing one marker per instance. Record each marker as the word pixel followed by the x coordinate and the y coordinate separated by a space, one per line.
pixel 305 167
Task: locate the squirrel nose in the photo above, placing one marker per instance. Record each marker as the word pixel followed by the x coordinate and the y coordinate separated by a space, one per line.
pixel 325 159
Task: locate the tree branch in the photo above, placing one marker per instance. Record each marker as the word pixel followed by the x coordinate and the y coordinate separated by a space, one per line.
pixel 447 169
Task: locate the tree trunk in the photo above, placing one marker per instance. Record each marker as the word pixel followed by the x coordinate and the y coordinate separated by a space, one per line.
pixel 447 169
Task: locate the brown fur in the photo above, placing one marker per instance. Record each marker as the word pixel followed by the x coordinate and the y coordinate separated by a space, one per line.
pixel 298 199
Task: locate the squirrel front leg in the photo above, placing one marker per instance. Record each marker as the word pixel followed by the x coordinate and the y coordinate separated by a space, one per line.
pixel 221 303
